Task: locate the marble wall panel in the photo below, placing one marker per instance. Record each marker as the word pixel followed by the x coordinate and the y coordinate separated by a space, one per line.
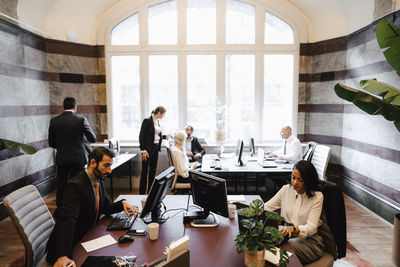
pixel 305 65
pixel 329 124
pixel 370 129
pixel 329 62
pixel 26 129
pixel 94 122
pixel 72 64
pixel 85 93
pixel 301 123
pixel 103 123
pixel 17 91
pixel 302 92
pixel 364 54
pixel 383 171
pixel 15 168
pixel 101 66
pixel 323 93
pixel 11 52
pixel 335 154
pixel 101 94
pixel 35 59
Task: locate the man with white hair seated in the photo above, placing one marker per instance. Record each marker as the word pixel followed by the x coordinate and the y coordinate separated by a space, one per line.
pixel 291 149
pixel 179 157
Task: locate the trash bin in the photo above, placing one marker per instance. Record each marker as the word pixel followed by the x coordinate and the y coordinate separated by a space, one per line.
pixel 396 240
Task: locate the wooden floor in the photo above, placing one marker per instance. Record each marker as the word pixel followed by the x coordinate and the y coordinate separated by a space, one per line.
pixel 368 233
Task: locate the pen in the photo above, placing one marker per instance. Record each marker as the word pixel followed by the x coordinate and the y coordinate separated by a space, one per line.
pixel 70 265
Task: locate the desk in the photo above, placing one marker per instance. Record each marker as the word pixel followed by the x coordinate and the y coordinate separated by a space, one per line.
pixel 229 169
pixel 118 161
pixel 208 247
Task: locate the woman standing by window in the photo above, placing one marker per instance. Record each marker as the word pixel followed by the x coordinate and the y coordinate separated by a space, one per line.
pixel 150 138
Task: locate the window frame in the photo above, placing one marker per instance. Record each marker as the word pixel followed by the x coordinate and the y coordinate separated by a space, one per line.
pixel 220 50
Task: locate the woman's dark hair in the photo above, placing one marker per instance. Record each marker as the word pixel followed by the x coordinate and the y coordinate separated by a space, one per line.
pixel 159 109
pixel 98 153
pixel 309 175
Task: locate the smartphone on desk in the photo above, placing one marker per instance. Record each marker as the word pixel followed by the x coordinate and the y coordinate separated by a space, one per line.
pixel 137 232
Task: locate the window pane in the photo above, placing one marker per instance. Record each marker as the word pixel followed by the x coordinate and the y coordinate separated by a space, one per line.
pixel 126 32
pixel 163 23
pixel 277 31
pixel 201 22
pixel 278 94
pixel 240 115
pixel 163 88
pixel 126 96
pixel 240 22
pixel 201 92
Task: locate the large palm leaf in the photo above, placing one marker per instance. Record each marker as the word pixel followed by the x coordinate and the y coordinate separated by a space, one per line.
pixel 17 147
pixel 388 36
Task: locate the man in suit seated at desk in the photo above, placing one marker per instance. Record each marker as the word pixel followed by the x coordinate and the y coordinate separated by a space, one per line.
pixel 291 149
pixel 84 200
pixel 194 150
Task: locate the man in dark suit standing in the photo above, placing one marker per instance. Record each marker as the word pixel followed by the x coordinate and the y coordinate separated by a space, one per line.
pixel 66 135
pixel 84 200
pixel 194 150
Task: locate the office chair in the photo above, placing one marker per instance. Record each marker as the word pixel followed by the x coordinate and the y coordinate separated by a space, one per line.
pixel 176 186
pixel 309 151
pixel 320 160
pixel 32 221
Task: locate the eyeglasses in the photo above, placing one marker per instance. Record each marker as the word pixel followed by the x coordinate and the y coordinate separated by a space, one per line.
pixel 295 178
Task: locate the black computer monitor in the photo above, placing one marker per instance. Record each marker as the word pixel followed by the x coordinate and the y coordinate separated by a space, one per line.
pixel 252 148
pixel 161 184
pixel 239 156
pixel 209 192
pixel 113 145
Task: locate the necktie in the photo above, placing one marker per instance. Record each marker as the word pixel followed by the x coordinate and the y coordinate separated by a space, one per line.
pixel 97 201
pixel 284 148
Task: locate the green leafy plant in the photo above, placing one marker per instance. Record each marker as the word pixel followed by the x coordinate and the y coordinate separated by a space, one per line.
pixel 257 235
pixel 17 147
pixel 388 105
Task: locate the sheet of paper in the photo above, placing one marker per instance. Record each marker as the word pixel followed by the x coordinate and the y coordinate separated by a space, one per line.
pixel 274 259
pixel 98 243
pixel 236 198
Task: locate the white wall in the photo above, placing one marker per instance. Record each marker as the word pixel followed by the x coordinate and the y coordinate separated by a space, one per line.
pixel 325 19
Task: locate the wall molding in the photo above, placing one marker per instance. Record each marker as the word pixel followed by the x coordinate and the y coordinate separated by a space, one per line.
pixel 330 108
pixel 82 109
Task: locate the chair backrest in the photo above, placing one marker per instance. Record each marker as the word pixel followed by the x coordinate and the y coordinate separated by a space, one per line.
pixel 309 150
pixel 171 163
pixel 320 160
pixel 32 221
pixel 175 184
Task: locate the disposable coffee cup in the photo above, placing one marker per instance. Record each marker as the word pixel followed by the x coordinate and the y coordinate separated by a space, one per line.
pixel 153 230
pixel 232 209
pixel 143 202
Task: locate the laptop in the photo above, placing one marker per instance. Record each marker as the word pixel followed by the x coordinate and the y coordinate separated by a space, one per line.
pixel 264 163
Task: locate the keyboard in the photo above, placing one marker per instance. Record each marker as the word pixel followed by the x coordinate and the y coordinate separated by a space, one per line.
pixel 121 222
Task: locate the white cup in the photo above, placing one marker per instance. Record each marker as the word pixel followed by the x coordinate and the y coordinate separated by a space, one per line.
pixel 232 209
pixel 153 230
pixel 143 202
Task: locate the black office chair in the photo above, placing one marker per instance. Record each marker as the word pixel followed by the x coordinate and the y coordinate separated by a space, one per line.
pixel 309 150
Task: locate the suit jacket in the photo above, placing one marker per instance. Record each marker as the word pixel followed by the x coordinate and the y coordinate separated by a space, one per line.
pixel 66 134
pixel 146 135
pixel 77 215
pixel 196 147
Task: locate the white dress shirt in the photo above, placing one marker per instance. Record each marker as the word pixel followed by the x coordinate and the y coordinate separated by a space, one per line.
pixel 293 150
pixel 181 162
pixel 299 210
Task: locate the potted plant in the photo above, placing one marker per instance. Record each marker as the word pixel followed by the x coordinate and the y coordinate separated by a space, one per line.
pixel 257 236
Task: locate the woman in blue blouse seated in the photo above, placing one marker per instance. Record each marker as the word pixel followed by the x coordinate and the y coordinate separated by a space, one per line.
pixel 301 206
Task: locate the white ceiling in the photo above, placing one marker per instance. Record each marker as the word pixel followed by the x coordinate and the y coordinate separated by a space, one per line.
pixel 326 18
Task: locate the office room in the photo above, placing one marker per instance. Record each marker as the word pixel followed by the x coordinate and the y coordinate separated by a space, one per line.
pixel 264 72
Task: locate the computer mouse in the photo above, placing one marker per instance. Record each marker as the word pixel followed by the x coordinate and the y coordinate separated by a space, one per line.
pixel 125 239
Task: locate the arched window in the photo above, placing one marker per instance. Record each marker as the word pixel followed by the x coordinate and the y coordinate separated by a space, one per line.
pixel 221 66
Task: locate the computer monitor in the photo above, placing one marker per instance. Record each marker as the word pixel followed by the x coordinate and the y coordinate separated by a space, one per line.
pixel 113 145
pixel 252 147
pixel 161 184
pixel 237 147
pixel 209 192
pixel 239 156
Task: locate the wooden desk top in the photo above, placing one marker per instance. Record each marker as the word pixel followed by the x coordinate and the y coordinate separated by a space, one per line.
pixel 208 246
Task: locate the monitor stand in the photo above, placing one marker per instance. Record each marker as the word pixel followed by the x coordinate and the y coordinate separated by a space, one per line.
pixel 240 163
pixel 155 216
pixel 210 221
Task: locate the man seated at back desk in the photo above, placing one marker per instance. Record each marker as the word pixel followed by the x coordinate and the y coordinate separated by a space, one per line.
pixel 291 149
pixel 84 200
pixel 194 150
